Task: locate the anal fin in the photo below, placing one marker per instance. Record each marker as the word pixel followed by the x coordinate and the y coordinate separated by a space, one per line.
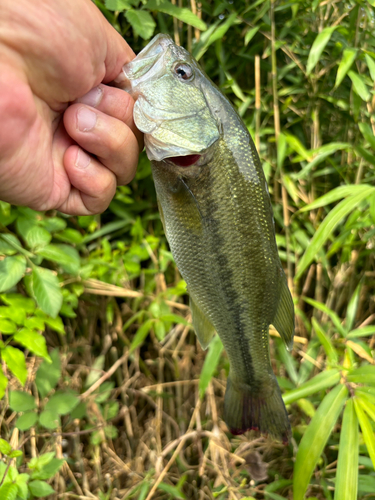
pixel 284 317
pixel 202 326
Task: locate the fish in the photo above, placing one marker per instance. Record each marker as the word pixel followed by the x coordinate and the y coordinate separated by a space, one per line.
pixel 217 216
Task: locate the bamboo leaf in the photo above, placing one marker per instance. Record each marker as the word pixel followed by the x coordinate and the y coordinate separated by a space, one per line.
pixel 184 15
pixel 328 226
pixel 334 195
pixel 367 432
pixel 359 85
pixel 315 438
pixel 331 314
pixel 363 375
pixel 347 465
pixel 320 382
pixel 365 331
pixel 141 335
pixel 317 48
pixel 325 341
pixel 348 57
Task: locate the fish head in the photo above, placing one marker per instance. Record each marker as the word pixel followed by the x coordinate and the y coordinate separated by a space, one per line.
pixel 170 108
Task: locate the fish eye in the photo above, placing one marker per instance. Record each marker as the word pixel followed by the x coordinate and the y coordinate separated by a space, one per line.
pixel 183 71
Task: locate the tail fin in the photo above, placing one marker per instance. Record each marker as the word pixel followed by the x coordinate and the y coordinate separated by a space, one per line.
pixel 262 411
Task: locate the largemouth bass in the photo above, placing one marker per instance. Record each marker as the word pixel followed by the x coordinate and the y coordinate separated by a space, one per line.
pixel 217 215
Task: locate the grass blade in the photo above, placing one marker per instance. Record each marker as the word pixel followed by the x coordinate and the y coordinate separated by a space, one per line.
pixel 315 438
pixel 322 381
pixel 347 466
pixel 367 432
pixel 210 364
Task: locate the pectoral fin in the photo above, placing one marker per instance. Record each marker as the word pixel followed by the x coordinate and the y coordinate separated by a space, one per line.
pixel 284 317
pixel 202 326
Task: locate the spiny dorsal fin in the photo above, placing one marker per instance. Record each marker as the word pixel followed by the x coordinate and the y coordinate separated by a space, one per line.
pixel 202 326
pixel 284 317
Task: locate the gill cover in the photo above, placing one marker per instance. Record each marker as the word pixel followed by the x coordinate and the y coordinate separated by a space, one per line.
pixel 171 111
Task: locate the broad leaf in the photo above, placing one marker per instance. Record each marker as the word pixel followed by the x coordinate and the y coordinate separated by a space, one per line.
pixel 40 489
pixel 33 341
pixel 21 401
pixel 11 271
pixel 47 290
pixel 26 421
pixel 48 374
pixel 3 383
pixel 315 438
pixel 49 419
pixel 142 22
pixel 15 360
pixel 62 402
pixel 8 491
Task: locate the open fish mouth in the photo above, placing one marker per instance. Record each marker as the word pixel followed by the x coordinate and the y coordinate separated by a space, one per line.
pixel 176 128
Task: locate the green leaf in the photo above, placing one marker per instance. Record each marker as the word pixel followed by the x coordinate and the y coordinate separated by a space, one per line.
pixel 8 491
pixel 325 341
pixel 40 489
pixel 336 194
pixel 365 331
pixel 48 470
pixel 347 466
pixel 48 374
pixel 215 35
pixel 65 255
pixel 141 335
pixel 173 491
pixel 7 326
pixel 47 290
pixel 15 360
pixel 210 364
pixel 367 432
pixel 117 5
pixel 363 375
pixel 11 271
pixel 21 401
pixel 37 463
pixel 5 447
pixel 33 341
pixel 320 382
pixel 62 402
pixel 250 34
pixel 317 48
pixel 184 15
pixel 328 226
pixel 26 421
pixel 371 66
pixel 331 314
pixel 49 419
pixel 3 383
pixel 142 23
pixel 351 310
pixel 174 318
pixel 359 86
pixel 37 237
pixel 8 245
pixel 18 301
pixel 315 438
pixel 21 482
pixel 348 58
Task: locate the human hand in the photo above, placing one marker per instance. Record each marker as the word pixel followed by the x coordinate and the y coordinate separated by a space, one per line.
pixel 53 54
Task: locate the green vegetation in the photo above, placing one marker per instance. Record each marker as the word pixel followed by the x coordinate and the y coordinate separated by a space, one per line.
pixel 105 392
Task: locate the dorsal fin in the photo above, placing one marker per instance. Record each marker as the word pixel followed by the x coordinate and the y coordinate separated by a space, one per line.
pixel 202 326
pixel 284 317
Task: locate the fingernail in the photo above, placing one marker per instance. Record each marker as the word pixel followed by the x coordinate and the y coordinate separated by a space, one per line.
pixel 82 159
pixel 86 119
pixel 92 98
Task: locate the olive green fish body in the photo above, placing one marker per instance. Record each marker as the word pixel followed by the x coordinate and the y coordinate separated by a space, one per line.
pixel 218 221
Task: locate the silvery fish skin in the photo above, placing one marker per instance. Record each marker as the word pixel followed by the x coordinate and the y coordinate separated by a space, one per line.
pixel 217 216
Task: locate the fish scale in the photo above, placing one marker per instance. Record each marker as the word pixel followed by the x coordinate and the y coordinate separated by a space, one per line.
pixel 218 221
